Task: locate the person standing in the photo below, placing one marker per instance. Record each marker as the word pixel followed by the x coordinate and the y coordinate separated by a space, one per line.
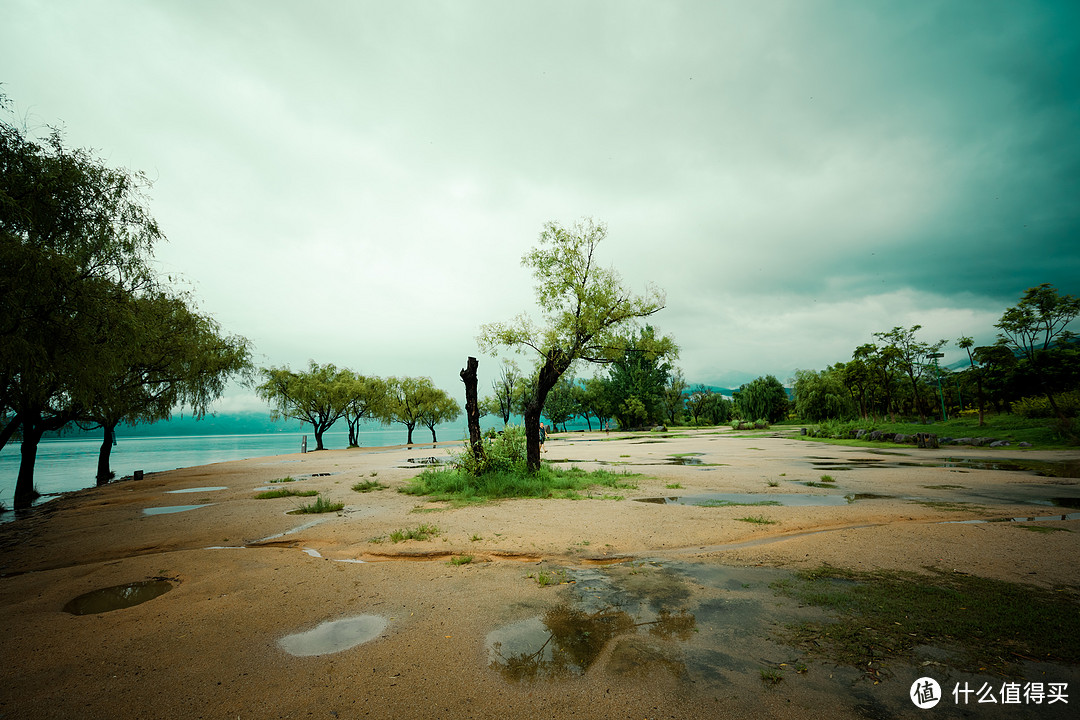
pixel 543 436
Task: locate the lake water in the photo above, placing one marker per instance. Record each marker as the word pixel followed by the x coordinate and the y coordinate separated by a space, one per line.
pixel 65 464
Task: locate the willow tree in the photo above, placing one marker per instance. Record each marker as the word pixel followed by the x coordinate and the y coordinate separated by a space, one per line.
pixel 584 308
pixel 319 396
pixel 76 238
pixel 175 358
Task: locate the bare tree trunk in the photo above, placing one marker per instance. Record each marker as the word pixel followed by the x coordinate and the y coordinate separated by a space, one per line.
pixel 25 493
pixel 472 408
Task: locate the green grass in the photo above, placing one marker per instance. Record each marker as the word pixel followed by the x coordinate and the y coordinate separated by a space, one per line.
pixel 284 480
pixel 461 559
pixel 1041 433
pixel 757 520
pixel 771 677
pixel 548 482
pixel 673 486
pixel 321 505
pixel 368 486
pixel 549 577
pixel 284 492
pixel 827 479
pixel 421 532
pixel 1045 529
pixel 981 623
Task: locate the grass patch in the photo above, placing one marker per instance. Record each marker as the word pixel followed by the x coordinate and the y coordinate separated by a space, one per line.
pixel 944 487
pixel 544 578
pixel 983 623
pixel 757 520
pixel 422 532
pixel 827 479
pixel 674 486
pixel 461 560
pixel 368 486
pixel 284 480
pixel 813 483
pixel 548 482
pixel 771 677
pixel 285 492
pixel 729 503
pixel 1040 432
pixel 321 505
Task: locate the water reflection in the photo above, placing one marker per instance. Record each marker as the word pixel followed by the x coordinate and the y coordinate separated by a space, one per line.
pixel 567 641
pixel 117 597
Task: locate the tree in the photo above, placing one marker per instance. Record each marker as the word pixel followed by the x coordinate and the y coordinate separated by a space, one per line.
pixel 438 407
pixel 762 398
pixel 674 396
pixel 821 396
pixel 596 399
pixel 319 396
pixel 75 245
pixel 177 358
pixel 583 305
pixel 639 377
pixel 416 400
pixel 966 343
pixel 365 399
pixel 563 402
pixel 909 355
pixel 1036 328
pixel 507 387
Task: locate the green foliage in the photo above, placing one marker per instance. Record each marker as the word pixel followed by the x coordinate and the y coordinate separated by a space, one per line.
pixel 416 400
pixel 319 396
pixel 321 505
pixel 757 520
pixel 584 307
pixel 461 560
pixel 637 380
pixel 1068 403
pixel 421 532
pixel 504 452
pixel 457 485
pixel 763 398
pixel 822 396
pixel 285 492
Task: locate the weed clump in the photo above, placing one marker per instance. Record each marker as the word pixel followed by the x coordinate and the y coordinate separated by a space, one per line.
pixel 321 505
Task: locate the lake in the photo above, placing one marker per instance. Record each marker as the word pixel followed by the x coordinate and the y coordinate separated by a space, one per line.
pixel 65 464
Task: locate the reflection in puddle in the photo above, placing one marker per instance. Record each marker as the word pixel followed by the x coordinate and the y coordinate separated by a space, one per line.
pixel 734 499
pixel 117 597
pixel 334 636
pixel 196 489
pixel 172 509
pixel 567 641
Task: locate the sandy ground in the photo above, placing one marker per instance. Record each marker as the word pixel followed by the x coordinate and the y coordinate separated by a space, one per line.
pixel 248 574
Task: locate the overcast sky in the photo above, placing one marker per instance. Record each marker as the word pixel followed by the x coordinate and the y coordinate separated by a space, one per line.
pixel 356 182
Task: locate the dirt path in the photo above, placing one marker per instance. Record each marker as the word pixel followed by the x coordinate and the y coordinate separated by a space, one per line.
pixel 630 575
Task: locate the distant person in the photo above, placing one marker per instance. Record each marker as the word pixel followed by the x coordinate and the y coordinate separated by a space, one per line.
pixel 543 436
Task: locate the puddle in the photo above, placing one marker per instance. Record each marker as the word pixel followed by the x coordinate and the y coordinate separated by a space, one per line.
pixel 298 528
pixel 734 499
pixel 686 459
pixel 334 636
pixel 1063 469
pixel 172 509
pixel 196 489
pixel 117 597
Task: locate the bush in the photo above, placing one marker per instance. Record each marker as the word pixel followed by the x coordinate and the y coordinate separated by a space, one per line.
pixel 1038 406
pixel 505 452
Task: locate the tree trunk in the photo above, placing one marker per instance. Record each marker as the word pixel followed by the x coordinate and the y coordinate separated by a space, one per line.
pixel 549 375
pixel 410 429
pixel 104 471
pixel 318 436
pixel 25 494
pixel 472 409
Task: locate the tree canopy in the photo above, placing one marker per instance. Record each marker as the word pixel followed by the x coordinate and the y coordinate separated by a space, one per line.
pixel 584 308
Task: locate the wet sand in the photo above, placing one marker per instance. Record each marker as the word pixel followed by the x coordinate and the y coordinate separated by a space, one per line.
pixel 683 620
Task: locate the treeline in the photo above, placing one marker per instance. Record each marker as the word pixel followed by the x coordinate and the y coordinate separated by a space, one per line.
pixel 89 333
pixel 324 394
pixel 1033 368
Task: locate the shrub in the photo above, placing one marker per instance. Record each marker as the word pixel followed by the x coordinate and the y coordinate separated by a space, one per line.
pixel 505 452
pixel 1039 407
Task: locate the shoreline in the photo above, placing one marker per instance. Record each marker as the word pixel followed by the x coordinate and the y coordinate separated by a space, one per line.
pixel 246 575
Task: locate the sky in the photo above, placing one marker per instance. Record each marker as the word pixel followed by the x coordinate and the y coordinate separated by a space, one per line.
pixel 356 182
